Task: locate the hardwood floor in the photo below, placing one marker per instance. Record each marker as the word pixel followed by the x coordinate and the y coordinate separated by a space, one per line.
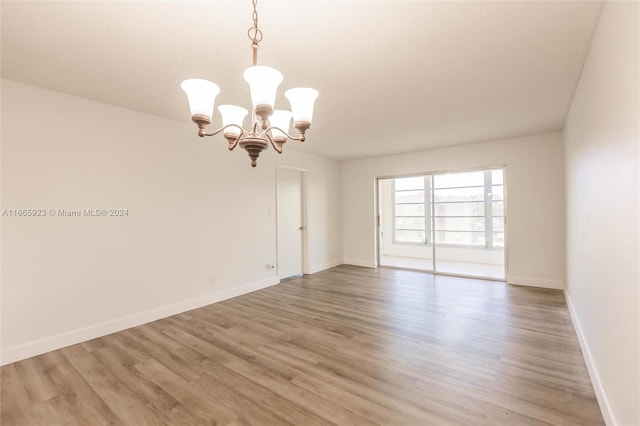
pixel 347 346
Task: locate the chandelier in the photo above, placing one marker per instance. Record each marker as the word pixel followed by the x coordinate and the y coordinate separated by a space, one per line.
pixel 268 127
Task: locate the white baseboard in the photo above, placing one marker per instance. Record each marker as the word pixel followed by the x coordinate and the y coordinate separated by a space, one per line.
pixel 27 350
pixel 535 282
pixel 601 395
pixel 323 266
pixel 360 262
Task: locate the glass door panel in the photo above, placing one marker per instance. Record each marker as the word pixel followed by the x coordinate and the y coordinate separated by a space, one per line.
pixel 404 231
pixel 468 223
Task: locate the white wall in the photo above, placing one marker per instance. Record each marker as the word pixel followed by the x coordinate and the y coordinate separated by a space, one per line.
pixel 535 201
pixel 196 211
pixel 602 149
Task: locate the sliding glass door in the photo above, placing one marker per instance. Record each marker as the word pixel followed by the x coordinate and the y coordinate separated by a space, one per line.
pixel 451 223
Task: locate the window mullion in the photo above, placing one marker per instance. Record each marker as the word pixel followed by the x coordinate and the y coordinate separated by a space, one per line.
pixel 488 205
pixel 426 211
pixel 393 213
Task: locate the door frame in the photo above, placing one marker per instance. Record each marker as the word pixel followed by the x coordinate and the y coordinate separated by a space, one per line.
pixel 303 209
pixel 433 172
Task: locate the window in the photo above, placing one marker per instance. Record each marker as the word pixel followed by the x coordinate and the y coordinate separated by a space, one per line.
pixel 411 210
pixel 468 209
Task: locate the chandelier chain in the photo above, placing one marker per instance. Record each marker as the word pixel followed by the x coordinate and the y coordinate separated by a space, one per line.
pixel 254 33
pixel 255 14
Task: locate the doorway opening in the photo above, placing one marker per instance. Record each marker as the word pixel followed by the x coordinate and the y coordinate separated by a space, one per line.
pixel 444 222
pixel 291 222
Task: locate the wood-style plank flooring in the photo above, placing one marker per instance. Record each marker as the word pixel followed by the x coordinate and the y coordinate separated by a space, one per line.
pixel 347 346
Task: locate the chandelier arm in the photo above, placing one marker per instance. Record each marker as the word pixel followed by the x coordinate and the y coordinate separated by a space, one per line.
pixel 299 138
pixel 273 144
pixel 215 132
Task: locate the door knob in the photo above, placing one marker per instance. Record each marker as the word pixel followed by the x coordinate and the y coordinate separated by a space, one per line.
pixel 301 228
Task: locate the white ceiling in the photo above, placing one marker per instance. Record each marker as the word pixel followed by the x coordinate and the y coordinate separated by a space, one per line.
pixel 393 76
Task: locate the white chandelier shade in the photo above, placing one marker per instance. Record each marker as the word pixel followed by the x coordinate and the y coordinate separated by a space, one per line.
pixel 280 119
pixel 263 84
pixel 232 114
pixel 201 95
pixel 302 100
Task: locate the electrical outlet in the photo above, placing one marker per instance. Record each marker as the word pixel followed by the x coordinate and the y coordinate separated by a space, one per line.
pixel 212 281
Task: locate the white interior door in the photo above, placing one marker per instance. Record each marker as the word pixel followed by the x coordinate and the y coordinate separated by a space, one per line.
pixel 290 223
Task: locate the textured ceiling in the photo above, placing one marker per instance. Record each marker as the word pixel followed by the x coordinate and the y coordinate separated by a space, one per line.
pixel 393 76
